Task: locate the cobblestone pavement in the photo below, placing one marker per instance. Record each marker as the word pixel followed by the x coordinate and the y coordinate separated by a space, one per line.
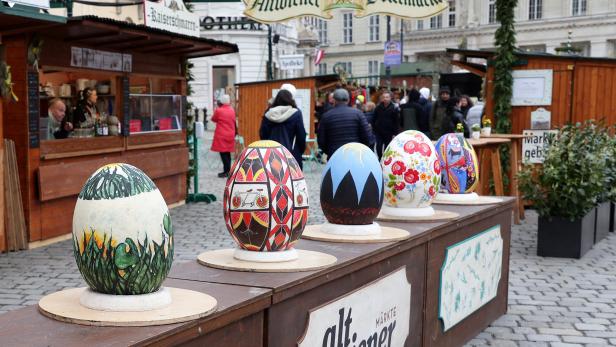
pixel 552 302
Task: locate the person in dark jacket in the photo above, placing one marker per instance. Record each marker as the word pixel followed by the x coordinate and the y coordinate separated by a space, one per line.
pixel 341 125
pixel 283 123
pixel 412 114
pixel 386 122
pixel 465 104
pixel 454 116
pixel 86 111
pixel 439 113
pixel 425 100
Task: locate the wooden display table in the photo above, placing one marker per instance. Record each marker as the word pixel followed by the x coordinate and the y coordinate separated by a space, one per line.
pixel 387 294
pixel 239 309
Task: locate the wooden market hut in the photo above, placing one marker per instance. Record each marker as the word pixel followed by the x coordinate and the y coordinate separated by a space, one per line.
pixel 147 93
pixel 583 88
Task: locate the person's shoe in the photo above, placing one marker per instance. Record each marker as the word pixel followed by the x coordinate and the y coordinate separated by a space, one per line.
pixel 223 174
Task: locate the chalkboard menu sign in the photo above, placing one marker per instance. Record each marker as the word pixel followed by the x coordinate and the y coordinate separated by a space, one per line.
pixel 125 106
pixel 33 109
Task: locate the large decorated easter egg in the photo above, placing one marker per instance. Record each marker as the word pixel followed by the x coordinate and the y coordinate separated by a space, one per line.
pixel 122 232
pixel 411 171
pixel 265 199
pixel 352 186
pixel 458 163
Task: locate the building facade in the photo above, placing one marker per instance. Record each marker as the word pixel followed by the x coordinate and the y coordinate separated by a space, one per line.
pixel 217 75
pixel 541 25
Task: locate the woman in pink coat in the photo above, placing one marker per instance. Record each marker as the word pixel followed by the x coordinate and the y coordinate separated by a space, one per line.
pixel 224 135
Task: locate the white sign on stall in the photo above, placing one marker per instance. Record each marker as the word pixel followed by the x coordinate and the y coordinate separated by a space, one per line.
pixel 377 314
pixel 291 62
pixel 171 15
pixel 540 119
pixel 532 87
pixel 303 100
pixel 533 145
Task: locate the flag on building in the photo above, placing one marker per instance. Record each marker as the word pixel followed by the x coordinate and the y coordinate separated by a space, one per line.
pixel 319 56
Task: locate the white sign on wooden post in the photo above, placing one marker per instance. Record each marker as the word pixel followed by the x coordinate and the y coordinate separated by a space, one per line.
pixel 532 87
pixel 377 314
pixel 533 145
pixel 540 119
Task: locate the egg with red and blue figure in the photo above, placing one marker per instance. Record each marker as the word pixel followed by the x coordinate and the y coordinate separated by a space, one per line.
pixel 411 171
pixel 265 202
pixel 352 186
pixel 460 169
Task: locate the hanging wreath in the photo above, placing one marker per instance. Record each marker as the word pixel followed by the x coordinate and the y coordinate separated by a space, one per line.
pixel 6 84
pixel 34 51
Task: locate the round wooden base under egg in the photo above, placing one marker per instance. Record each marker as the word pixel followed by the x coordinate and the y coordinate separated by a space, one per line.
pixel 439 215
pixel 306 261
pixel 313 232
pixel 186 305
pixel 482 200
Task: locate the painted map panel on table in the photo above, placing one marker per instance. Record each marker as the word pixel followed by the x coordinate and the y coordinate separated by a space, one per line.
pixel 470 275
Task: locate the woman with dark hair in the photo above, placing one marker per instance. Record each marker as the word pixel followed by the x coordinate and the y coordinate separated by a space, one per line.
pixel 465 104
pixel 86 107
pixel 283 123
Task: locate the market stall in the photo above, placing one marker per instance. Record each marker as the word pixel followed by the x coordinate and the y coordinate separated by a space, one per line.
pixel 252 98
pixel 134 80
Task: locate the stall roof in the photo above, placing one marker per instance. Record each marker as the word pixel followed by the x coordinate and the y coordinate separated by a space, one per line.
pixel 20 18
pixel 487 54
pixel 111 34
pixel 322 78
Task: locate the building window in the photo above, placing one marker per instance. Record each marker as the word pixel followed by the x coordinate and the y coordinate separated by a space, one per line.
pixel 420 24
pixel 535 9
pixel 321 26
pixel 578 7
pixel 373 71
pixel 436 22
pixel 348 67
pixel 491 11
pixel 322 69
pixel 347 28
pixel 375 28
pixel 452 13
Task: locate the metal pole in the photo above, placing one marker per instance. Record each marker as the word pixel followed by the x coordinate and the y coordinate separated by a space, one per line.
pixel 401 40
pixel 69 8
pixel 388 68
pixel 270 72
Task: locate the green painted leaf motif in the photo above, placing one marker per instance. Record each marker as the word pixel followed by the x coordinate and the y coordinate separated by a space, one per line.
pixel 167 225
pixel 125 258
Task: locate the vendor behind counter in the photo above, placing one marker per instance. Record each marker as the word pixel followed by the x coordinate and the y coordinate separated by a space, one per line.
pixel 58 127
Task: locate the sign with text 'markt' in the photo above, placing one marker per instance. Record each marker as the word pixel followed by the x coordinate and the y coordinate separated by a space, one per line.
pixel 377 314
pixel 271 11
pixel 533 145
pixel 171 15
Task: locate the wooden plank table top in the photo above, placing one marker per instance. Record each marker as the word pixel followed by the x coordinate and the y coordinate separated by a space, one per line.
pixel 351 257
pixel 28 327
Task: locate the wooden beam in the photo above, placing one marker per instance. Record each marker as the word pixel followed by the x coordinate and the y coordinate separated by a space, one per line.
pixel 469 67
pixel 88 37
pixel 26 29
pixel 165 48
pixel 122 41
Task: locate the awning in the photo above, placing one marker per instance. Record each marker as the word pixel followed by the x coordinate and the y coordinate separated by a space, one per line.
pixel 111 34
pixel 17 19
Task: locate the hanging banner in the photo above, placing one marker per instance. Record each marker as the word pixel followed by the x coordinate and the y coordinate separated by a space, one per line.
pixel 172 16
pixel 392 53
pixel 273 11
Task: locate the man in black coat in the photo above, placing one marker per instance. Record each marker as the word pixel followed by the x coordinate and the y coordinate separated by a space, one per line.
pixel 341 125
pixel 386 123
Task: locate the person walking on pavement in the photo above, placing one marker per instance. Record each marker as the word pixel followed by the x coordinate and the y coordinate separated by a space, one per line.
pixel 342 124
pixel 439 113
pixel 283 123
pixel 224 135
pixel 412 114
pixel 386 122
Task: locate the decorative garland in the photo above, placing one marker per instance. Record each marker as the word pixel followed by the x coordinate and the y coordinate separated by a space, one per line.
pixel 6 83
pixel 505 42
pixel 34 51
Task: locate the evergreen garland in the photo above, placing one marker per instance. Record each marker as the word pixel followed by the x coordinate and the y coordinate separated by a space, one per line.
pixel 505 42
